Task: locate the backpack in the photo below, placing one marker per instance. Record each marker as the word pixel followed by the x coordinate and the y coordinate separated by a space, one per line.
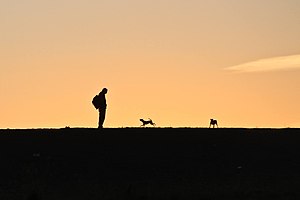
pixel 96 101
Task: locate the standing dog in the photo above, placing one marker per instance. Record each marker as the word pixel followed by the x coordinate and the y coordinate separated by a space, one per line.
pixel 213 122
pixel 145 122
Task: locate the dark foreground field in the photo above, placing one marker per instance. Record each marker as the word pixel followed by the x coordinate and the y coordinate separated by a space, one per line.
pixel 149 163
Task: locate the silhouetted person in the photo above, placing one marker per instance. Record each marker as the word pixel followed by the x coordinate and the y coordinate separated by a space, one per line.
pixel 102 107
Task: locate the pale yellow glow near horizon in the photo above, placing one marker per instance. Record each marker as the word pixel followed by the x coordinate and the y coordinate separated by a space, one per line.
pixel 159 59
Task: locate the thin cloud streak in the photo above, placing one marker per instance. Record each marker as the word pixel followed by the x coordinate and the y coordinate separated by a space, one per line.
pixel 268 64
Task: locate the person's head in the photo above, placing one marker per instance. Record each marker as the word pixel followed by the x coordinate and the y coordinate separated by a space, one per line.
pixel 104 91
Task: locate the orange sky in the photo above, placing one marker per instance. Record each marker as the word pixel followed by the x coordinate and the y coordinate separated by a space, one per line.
pixel 177 62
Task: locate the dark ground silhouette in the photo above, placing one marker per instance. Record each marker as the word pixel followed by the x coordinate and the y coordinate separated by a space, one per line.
pixel 147 163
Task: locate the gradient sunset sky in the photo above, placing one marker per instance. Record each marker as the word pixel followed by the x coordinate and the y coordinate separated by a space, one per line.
pixel 177 62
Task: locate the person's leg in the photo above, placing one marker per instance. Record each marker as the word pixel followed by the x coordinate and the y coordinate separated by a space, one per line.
pixel 102 114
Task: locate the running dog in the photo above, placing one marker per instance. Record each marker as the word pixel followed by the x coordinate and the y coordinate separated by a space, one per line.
pixel 145 122
pixel 213 122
